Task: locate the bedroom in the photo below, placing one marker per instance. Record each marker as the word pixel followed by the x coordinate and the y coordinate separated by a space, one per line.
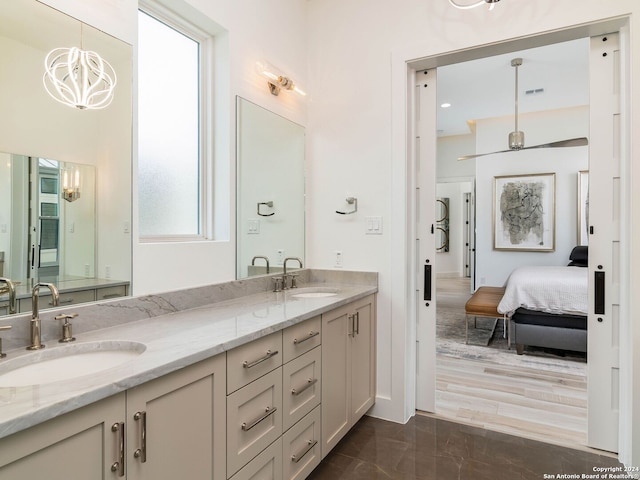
pixel 562 104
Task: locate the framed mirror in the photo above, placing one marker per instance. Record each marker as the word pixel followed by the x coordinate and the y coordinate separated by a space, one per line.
pixel 270 190
pixel 79 241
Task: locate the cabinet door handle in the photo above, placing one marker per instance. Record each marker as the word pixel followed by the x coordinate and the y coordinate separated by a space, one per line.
pixel 269 411
pixel 118 465
pixel 141 452
pixel 308 337
pixel 247 364
pixel 352 325
pixel 309 384
pixel 296 457
pixel 357 315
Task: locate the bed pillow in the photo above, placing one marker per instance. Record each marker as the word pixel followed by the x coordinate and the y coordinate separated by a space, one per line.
pixel 579 256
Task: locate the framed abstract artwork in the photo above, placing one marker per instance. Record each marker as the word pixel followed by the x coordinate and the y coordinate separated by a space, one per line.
pixel 524 212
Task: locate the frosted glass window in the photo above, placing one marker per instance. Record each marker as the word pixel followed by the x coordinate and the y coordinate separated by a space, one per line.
pixel 169 162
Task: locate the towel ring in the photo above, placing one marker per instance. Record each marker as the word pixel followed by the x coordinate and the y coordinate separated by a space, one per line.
pixel 267 204
pixel 351 201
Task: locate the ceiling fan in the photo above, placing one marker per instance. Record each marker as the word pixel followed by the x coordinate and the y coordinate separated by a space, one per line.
pixel 516 138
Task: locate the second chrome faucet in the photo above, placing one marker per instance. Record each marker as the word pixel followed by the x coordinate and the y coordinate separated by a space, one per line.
pixel 36 338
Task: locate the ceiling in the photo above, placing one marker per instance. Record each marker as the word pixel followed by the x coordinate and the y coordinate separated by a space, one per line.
pixel 484 88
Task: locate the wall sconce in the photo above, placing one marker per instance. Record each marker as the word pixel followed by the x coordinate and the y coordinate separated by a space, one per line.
pixel 277 80
pixel 79 78
pixel 71 184
pixel 491 3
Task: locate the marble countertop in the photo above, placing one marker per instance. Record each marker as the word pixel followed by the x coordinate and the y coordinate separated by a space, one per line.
pixel 173 341
pixel 64 284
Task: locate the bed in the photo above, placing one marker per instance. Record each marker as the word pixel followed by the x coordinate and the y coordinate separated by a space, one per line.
pixel 547 306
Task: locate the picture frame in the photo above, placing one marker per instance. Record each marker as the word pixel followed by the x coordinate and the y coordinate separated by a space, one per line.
pixel 524 212
pixel 583 207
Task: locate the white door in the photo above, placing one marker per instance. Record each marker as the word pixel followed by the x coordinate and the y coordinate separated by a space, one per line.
pixel 604 243
pixel 425 191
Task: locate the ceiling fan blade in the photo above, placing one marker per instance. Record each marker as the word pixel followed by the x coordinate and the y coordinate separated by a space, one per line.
pixel 571 142
pixel 476 155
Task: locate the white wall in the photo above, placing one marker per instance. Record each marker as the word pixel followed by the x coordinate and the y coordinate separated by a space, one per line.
pixel 494 266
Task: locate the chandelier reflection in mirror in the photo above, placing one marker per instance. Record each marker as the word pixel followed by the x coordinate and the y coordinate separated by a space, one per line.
pixel 79 78
pixel 466 6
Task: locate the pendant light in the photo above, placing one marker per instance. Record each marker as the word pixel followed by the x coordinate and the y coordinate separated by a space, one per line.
pixel 491 4
pixel 79 78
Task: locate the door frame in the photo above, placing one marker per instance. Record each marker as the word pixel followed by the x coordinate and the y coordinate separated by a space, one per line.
pixel 405 64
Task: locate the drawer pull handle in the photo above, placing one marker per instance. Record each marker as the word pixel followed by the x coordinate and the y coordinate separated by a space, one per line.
pixel 269 411
pixel 296 457
pixel 111 295
pixel 309 384
pixel 308 337
pixel 60 302
pixel 118 466
pixel 141 452
pixel 269 354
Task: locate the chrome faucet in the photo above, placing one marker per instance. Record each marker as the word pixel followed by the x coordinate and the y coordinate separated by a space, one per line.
pixel 36 339
pixel 266 259
pixel 284 273
pixel 12 294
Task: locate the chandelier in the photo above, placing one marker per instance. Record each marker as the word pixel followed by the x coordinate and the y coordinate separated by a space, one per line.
pixel 491 4
pixel 79 78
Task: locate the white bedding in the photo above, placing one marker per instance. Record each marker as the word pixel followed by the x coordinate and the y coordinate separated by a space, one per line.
pixel 546 289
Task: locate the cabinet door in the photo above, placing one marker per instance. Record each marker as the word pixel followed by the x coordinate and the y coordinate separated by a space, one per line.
pixel 176 424
pixel 363 361
pixel 336 385
pixel 265 466
pixel 79 444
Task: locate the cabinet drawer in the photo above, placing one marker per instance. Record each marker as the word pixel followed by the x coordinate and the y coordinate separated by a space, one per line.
pixel 266 466
pixel 254 419
pixel 301 447
pixel 251 361
pixel 301 338
pixel 302 387
pixel 111 292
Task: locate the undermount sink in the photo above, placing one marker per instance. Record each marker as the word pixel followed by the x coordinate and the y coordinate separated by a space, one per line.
pixel 67 362
pixel 314 292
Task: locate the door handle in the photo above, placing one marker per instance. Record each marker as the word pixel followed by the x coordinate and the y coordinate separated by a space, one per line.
pixel 427 282
pixel 599 286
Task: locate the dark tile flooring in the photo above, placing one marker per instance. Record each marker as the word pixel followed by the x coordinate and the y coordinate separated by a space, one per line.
pixel 428 448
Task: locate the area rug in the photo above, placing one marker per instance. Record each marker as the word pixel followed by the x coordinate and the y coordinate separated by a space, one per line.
pixel 450 325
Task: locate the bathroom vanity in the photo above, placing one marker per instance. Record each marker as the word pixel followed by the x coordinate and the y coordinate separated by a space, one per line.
pixel 250 385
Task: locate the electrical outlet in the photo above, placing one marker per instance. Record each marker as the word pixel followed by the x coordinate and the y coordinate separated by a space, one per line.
pixel 87 270
pixel 280 253
pixel 107 271
pixel 338 259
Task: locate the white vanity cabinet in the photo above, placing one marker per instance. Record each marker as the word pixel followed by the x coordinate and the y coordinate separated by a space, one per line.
pixel 176 424
pixel 348 359
pixel 80 444
pixel 169 426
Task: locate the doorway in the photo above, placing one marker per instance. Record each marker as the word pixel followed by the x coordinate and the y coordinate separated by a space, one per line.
pixel 426 316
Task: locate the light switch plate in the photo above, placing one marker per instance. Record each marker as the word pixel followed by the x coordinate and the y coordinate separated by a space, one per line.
pixel 253 226
pixel 373 225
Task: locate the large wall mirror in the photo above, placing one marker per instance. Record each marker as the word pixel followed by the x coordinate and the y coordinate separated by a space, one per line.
pixel 270 202
pixel 65 173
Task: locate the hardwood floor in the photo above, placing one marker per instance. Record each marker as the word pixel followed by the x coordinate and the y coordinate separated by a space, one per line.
pixel 504 392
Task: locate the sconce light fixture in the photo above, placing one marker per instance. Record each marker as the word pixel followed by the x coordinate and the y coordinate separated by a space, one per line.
pixel 491 3
pixel 277 80
pixel 79 78
pixel 71 184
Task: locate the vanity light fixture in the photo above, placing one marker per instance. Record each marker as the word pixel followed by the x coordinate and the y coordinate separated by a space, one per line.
pixel 79 78
pixel 491 3
pixel 277 80
pixel 71 184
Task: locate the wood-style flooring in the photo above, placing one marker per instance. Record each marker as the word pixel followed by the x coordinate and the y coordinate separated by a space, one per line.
pixel 499 394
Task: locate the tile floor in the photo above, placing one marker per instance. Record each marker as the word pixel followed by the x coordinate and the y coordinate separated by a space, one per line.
pixel 429 448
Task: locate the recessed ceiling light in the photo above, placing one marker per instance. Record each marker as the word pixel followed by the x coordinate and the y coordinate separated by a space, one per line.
pixel 445 105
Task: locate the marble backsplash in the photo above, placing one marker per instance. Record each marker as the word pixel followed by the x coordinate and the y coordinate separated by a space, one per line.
pixel 107 313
